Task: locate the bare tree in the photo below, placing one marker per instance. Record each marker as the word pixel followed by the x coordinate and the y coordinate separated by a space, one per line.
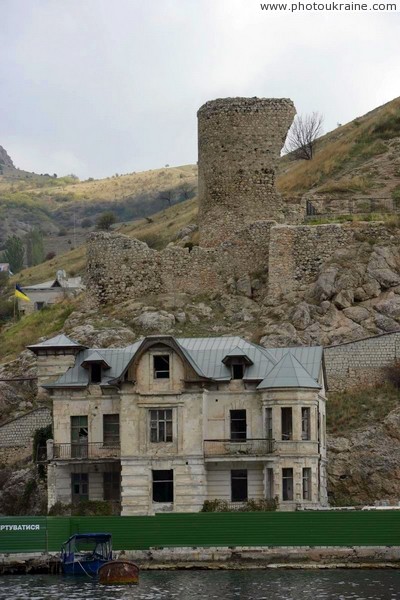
pixel 302 136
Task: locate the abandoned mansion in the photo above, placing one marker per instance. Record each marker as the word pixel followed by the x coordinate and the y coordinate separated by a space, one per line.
pixel 166 423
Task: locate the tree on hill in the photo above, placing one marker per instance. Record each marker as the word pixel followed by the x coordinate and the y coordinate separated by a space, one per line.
pixel 105 220
pixel 34 247
pixel 14 253
pixel 302 136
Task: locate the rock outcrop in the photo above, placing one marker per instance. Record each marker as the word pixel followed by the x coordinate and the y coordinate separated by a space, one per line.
pixel 5 160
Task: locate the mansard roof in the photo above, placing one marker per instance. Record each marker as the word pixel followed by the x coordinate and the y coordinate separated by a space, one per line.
pixel 207 357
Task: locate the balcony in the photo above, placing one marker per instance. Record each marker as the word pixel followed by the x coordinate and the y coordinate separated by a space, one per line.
pixel 79 452
pixel 238 448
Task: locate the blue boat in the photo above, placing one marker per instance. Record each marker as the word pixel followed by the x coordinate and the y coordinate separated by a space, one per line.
pixel 85 553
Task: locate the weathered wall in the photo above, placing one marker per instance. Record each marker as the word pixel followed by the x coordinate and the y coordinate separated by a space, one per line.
pixel 119 266
pixel 240 140
pixel 297 252
pixel 361 363
pixel 19 432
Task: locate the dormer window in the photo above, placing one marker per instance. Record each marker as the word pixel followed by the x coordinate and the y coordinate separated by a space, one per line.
pixel 95 373
pixel 237 361
pixel 161 368
pixel 237 370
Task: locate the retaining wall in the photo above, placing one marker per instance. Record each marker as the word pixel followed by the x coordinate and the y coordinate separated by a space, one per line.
pixel 19 431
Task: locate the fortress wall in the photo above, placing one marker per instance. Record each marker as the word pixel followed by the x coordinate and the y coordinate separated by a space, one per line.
pixel 297 252
pixel 119 266
pixel 361 363
pixel 239 143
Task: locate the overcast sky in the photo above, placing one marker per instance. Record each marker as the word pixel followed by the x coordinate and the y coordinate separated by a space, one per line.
pixel 96 87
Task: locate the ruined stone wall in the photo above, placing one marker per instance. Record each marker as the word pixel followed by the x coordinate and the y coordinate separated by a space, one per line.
pixel 121 267
pixel 361 363
pixel 297 252
pixel 240 140
pixel 19 432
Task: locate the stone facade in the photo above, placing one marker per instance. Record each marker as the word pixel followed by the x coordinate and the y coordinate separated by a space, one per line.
pixel 199 453
pixel 240 140
pixel 361 363
pixel 19 432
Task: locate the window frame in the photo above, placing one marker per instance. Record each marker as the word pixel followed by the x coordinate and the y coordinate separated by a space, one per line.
pixel 107 435
pixel 82 480
pixel 162 424
pixel 112 488
pixel 168 483
pixel 240 434
pixel 239 475
pixel 305 423
pixel 287 484
pixel 158 372
pixel 286 436
pixel 307 483
pixel 269 483
pixel 269 432
pixel 234 373
pixel 95 373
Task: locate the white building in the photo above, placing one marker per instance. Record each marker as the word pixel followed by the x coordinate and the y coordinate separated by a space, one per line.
pixel 48 292
pixel 166 423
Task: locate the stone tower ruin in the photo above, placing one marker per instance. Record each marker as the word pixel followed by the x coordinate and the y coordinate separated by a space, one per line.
pixel 240 140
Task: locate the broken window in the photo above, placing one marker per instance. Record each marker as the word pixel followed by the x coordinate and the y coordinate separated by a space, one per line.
pixel 237 370
pixel 79 487
pixel 79 437
pixel 161 366
pixel 111 430
pixel 287 423
pixel 305 423
pixel 307 483
pixel 268 423
pixel 161 425
pixel 163 486
pixel 270 491
pixel 95 373
pixel 112 486
pixel 287 484
pixel 239 485
pixel 238 425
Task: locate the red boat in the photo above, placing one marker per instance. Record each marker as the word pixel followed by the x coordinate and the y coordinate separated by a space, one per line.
pixel 118 572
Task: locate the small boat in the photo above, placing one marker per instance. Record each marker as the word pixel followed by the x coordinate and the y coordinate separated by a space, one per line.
pixel 85 553
pixel 119 572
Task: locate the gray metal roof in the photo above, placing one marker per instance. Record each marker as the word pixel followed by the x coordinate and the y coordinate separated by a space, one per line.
pixel 205 355
pixel 288 373
pixel 59 341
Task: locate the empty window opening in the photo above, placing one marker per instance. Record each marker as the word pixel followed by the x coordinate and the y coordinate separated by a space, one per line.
pixel 239 485
pixel 39 305
pixel 237 370
pixel 238 424
pixel 268 423
pixel 163 486
pixel 111 430
pixel 305 423
pixel 270 488
pixel 112 486
pixel 287 423
pixel 307 483
pixel 161 366
pixel 287 484
pixel 161 425
pixel 79 487
pixel 95 373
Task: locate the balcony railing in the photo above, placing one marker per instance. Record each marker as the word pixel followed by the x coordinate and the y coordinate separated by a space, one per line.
pixel 248 447
pixel 92 451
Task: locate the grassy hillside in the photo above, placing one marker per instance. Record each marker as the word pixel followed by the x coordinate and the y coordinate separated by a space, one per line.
pixel 62 203
pixel 361 158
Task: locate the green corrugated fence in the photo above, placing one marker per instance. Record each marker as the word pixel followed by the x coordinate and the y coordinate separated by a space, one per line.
pixel 320 528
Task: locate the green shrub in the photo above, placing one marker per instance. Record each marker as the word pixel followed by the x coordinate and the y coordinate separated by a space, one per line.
pixel 85 508
pixel 252 505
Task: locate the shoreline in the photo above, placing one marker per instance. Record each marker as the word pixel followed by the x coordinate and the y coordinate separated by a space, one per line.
pixel 222 558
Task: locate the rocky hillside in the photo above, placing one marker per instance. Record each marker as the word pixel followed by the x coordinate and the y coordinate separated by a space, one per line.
pixel 5 161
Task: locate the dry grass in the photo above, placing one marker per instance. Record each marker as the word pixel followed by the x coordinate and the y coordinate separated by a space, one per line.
pixel 347 411
pixel 47 322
